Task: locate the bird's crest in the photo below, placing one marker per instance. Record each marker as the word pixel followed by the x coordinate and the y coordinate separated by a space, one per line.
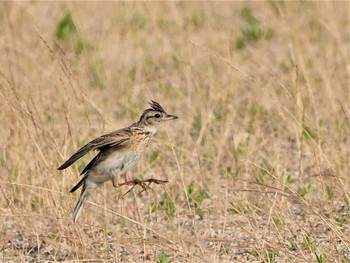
pixel 156 106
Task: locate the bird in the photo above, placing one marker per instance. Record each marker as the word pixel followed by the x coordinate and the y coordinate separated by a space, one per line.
pixel 118 153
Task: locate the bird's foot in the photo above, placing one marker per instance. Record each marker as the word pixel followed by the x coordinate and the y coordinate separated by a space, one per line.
pixel 145 184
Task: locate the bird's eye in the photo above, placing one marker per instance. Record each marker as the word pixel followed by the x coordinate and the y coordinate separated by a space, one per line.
pixel 157 115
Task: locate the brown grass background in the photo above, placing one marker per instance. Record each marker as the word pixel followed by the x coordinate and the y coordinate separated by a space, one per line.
pixel 258 162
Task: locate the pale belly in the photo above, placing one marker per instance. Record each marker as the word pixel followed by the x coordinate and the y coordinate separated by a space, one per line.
pixel 117 163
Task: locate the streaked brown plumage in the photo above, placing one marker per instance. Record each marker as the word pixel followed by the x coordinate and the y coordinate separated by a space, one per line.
pixel 119 152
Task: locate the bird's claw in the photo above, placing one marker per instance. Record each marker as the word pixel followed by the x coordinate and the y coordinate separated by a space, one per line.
pixel 145 184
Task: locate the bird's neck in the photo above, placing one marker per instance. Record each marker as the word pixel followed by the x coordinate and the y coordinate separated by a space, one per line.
pixel 149 128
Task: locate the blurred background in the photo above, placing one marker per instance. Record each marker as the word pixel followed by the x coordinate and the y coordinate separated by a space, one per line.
pixel 258 163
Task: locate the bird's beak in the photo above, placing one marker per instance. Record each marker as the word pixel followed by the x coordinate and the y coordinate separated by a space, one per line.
pixel 169 117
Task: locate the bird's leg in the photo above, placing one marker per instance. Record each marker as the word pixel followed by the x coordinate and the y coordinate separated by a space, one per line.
pixel 115 179
pixel 114 182
pixel 145 184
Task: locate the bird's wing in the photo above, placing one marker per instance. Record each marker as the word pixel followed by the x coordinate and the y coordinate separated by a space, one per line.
pixel 119 137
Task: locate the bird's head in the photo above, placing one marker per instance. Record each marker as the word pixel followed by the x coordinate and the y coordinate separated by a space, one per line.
pixel 155 116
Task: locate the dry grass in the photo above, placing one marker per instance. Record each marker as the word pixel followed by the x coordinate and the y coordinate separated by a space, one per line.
pixel 258 163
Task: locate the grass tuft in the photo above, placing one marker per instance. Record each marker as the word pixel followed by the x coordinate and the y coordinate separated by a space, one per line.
pixel 66 27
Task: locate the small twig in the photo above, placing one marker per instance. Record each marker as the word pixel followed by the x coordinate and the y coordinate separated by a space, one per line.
pixel 346 114
pixel 224 60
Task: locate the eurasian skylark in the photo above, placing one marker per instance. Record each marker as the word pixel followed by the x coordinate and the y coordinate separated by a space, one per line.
pixel 119 152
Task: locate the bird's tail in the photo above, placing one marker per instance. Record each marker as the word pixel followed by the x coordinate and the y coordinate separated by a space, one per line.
pixel 85 193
